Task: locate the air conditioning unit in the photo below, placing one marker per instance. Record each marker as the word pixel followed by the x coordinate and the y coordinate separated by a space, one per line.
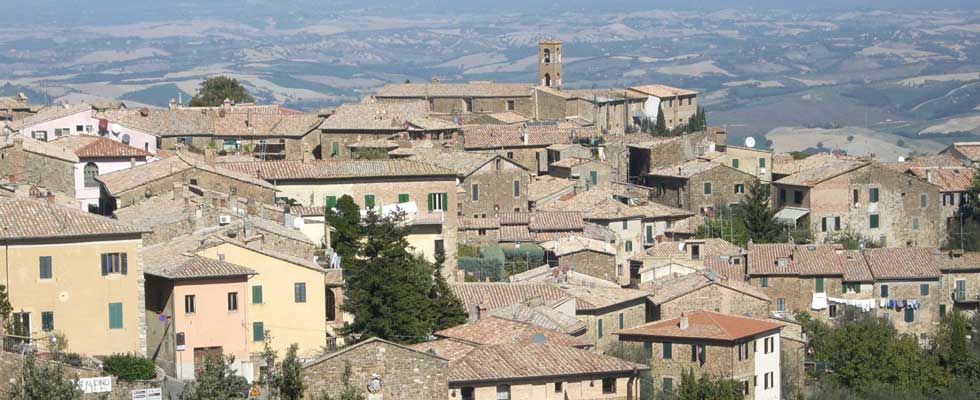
pixel 224 219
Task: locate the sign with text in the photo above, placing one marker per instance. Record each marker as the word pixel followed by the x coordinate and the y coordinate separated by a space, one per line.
pixel 147 394
pixel 102 384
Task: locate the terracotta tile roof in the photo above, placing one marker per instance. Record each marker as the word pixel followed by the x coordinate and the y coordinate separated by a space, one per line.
pixel 381 116
pixel 710 247
pixel 41 148
pixel 368 342
pixel 898 263
pixel 967 261
pixel 49 113
pixel 470 89
pixel 969 149
pixel 213 122
pixel 763 259
pixel 13 103
pixel 468 223
pixel 593 298
pixel 537 360
pixel 306 211
pixel 163 122
pixel 497 330
pixel 514 218
pixel 509 117
pixel 667 290
pixel 949 179
pixel 599 232
pixel 121 181
pixel 493 295
pixel 195 266
pixel 247 108
pixel 516 233
pixel 430 124
pixel 337 169
pixel 725 267
pixel 22 218
pixel 543 316
pixel 566 245
pixel 927 161
pixel 89 146
pixel 554 220
pixel 687 169
pixel 571 162
pixel 604 95
pixel 463 162
pixel 817 168
pixel 446 348
pixel 599 203
pixel 662 90
pixel 264 125
pixel 703 325
pixel 497 136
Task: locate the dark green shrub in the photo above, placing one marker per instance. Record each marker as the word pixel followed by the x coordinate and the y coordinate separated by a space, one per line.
pixel 72 359
pixel 530 252
pixel 129 367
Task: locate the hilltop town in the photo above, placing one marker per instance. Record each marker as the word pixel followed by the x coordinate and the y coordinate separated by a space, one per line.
pixel 465 240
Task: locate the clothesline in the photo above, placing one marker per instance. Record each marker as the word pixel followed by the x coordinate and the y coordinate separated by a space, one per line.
pixel 821 302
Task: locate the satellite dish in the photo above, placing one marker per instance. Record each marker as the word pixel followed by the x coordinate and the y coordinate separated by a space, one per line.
pixel 750 141
pixel 115 129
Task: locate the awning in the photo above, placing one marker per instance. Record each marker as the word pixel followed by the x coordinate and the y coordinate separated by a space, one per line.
pixel 789 215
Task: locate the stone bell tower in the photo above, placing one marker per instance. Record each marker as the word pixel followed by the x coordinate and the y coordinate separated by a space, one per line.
pixel 549 63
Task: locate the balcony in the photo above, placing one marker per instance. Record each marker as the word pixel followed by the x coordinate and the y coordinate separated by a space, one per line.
pixel 963 297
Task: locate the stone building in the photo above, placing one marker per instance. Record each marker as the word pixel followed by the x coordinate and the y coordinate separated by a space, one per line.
pixel 878 202
pixel 526 144
pixel 699 186
pixel 134 185
pixel 364 122
pixel 723 346
pixel 961 276
pixel 98 155
pixel 670 152
pixel 675 258
pixel 545 189
pixel 678 105
pixel 488 183
pixel 382 369
pixel 906 275
pixel 27 161
pixel 707 291
pixel 611 111
pixel 549 63
pixel 588 172
pixel 755 162
pixel 15 107
pixel 948 172
pixel 606 310
pixel 967 152
pixel 462 99
pixel 583 255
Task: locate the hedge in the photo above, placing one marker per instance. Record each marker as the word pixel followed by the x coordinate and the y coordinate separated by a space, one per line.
pixel 533 253
pixel 130 367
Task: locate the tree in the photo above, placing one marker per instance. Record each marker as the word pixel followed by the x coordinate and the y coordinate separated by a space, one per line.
pixel 214 91
pixel 44 381
pixel 216 381
pixel 704 388
pixel 284 380
pixel 387 286
pixel 5 309
pixel 345 222
pixel 760 223
pixel 446 309
pixel 851 239
pixel 957 348
pixel 661 128
pixel 350 392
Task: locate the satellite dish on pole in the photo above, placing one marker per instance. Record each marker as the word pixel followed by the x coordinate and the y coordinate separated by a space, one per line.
pixel 115 129
pixel 750 141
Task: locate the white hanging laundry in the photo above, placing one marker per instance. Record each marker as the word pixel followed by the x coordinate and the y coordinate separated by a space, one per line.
pixel 819 301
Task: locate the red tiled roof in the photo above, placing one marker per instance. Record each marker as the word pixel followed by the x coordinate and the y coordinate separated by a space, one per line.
pixel 763 259
pixel 497 330
pixel 22 218
pixel 88 146
pixel 949 179
pixel 499 294
pixel 339 169
pixel 905 262
pixel 703 325
pixel 536 360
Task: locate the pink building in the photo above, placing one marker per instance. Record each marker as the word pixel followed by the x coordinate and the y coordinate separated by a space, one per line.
pixel 97 156
pixel 58 121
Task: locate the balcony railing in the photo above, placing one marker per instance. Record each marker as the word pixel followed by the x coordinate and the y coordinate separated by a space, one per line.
pixel 962 296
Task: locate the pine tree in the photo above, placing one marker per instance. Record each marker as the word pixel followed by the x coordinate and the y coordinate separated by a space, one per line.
pixel 214 91
pixel 346 225
pixel 661 128
pixel 759 219
pixel 46 381
pixel 446 309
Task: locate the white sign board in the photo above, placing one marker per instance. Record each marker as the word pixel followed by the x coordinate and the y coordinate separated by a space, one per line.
pixel 148 394
pixel 102 384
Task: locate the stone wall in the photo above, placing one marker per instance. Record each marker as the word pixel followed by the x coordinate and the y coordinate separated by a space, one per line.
pixel 203 179
pixel 10 365
pixel 720 361
pixel 634 314
pixel 406 374
pixel 972 279
pixel 25 167
pixel 715 298
pixel 723 180
pixel 592 263
pixel 342 139
pixel 926 318
pixel 496 192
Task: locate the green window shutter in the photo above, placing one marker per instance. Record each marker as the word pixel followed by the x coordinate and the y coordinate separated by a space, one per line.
pixel 649 233
pixel 924 289
pixel 857 287
pixel 403 198
pixel 47 321
pixel 599 328
pixel 629 245
pixel 668 384
pixel 884 290
pixel 620 320
pixel 762 163
pixel 594 177
pixel 517 188
pixel 873 221
pixel 942 311
pixel 44 265
pixel 735 163
pixel 432 201
pixel 909 314
pixel 819 282
pixel 475 192
pixel 257 294
pixel 105 264
pixel 331 201
pixel 334 149
pixel 258 331
pixel 873 195
pixel 923 200
pixel 445 201
pixel 115 316
pixel 125 263
pixel 764 281
pixel 668 350
pixel 707 188
pixel 369 201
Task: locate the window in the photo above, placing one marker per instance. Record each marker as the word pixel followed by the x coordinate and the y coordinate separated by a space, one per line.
pixel 547 56
pixel 960 292
pixel 468 105
pixel 369 201
pixel 819 284
pixel 915 223
pixel 649 233
pixel 299 292
pixel 47 321
pixel 190 304
pixel 257 294
pixel 88 128
pixel 608 385
pixel 852 287
pixel 475 192
pixel 782 195
pixel 503 392
pixel 873 195
pixel 124 138
pixel 836 223
pixel 438 201
pixel 739 188
pixel 59 132
pixel 439 246
pixel 44 266
pixel 745 388
pixel 115 316
pixel 823 224
pixel 233 301
pixel 923 200
pixel 735 163
pixel 695 252
pixel 855 197
pixel 510 155
pixel 762 162
pixel 873 221
pixel 114 263
pixel 39 135
pixel 883 290
pixel 942 311
pixel 558 387
pixel 797 197
pixel 79 128
pixel 668 384
pixel 626 224
pixel 764 281
pixel 403 198
pixel 510 105
pixel 832 310
pixel 517 188
pixel 765 380
pixel 923 289
pixel 334 149
pixel 599 328
pixel 594 177
pixel 668 352
pixel 707 188
pixel 331 201
pixel 780 304
pixel 89 172
pixel 620 320
pixel 258 331
pixel 909 314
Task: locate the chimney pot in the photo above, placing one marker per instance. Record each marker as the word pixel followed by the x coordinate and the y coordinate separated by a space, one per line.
pixel 684 322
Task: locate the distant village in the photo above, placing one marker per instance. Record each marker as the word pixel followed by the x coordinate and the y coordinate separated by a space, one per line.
pixel 570 224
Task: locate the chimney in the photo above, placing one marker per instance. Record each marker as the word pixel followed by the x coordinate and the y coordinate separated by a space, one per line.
pixel 132 162
pixel 49 197
pixel 684 323
pixel 226 103
pixel 173 103
pixel 209 156
pixel 524 137
pixel 178 190
pixel 307 154
pixel 721 136
pixel 22 98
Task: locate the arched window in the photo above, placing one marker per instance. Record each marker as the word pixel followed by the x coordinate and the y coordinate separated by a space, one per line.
pixel 547 56
pixel 331 305
pixel 90 172
pixel 547 80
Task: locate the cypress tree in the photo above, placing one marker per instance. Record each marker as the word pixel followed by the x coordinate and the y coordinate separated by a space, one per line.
pixel 345 222
pixel 661 122
pixel 759 218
